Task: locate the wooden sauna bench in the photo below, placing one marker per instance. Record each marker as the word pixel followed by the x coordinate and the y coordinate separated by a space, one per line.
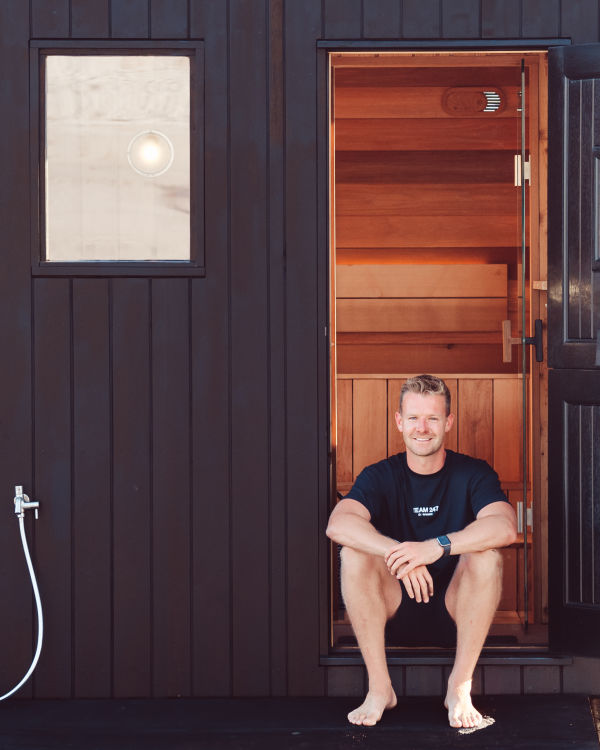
pixel 422 317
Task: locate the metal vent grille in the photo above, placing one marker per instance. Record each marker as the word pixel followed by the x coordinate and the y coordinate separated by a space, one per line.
pixel 493 101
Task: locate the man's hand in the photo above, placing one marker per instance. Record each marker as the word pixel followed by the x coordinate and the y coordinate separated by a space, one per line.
pixel 405 557
pixel 418 584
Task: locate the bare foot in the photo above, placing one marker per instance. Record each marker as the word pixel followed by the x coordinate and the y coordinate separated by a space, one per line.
pixel 461 712
pixel 371 710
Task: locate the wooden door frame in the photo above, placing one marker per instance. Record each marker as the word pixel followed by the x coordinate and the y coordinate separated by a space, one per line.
pixel 538 386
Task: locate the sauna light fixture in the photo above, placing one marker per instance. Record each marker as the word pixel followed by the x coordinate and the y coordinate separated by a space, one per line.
pixel 150 153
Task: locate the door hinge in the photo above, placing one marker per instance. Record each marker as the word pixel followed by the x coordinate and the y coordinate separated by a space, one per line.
pixel 526 170
pixel 520 517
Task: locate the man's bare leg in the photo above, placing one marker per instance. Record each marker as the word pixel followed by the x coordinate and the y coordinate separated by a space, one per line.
pixel 371 596
pixel 472 599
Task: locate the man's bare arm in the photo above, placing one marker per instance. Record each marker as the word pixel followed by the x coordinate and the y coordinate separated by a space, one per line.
pixel 495 526
pixel 350 525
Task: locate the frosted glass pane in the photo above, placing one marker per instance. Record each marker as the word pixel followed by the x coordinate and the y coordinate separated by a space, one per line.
pixel 117 158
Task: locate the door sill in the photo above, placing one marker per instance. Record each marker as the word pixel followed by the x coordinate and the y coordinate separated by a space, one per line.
pixel 433 657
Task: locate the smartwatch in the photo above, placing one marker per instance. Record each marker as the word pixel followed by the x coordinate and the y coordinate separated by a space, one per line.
pixel 444 543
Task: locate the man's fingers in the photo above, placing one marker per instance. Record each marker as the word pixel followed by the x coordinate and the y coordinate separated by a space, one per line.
pixel 423 590
pixel 395 565
pixel 429 583
pixel 408 586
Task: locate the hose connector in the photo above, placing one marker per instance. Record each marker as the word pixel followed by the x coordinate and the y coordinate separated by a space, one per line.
pixel 23 503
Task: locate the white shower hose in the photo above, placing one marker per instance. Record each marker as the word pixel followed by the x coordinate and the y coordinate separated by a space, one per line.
pixel 40 617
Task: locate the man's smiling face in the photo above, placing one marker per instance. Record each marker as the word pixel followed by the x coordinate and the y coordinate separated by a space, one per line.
pixel 423 423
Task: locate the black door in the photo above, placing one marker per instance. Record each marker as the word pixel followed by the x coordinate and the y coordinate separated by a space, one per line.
pixel 574 348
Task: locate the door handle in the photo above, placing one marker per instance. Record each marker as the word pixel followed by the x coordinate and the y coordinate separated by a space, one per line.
pixel 508 340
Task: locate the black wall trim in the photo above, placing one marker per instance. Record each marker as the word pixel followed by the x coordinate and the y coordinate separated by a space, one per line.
pixel 437 44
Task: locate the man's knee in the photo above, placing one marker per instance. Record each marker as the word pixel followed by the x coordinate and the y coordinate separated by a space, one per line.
pixel 355 561
pixel 485 565
pixel 360 569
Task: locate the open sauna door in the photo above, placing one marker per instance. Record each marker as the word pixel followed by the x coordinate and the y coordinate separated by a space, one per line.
pixel 434 246
pixel 574 348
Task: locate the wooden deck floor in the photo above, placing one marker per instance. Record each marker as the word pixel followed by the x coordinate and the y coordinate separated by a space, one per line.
pixel 532 722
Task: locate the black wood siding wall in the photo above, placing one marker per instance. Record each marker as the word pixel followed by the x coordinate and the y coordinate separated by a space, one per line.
pixel 175 430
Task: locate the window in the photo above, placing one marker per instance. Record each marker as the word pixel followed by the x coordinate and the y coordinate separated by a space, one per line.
pixel 118 164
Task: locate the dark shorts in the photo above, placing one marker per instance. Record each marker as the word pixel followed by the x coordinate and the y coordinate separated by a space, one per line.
pixel 420 624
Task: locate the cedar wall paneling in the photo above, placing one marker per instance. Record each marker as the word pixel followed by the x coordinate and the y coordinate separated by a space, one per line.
pixel 176 444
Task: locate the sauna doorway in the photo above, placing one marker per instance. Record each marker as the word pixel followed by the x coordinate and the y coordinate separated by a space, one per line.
pixel 437 262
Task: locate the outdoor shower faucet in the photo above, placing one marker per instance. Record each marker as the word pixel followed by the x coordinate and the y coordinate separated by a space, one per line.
pixel 22 502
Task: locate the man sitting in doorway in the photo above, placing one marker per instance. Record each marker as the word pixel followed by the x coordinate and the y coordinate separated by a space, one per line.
pixel 419 533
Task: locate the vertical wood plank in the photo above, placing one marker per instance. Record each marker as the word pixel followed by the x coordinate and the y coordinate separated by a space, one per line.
pixel 276 270
pixel 343 456
pixel 342 19
pixel 475 436
pixel 302 27
pixel 588 526
pixel 89 19
pixel 574 177
pixel 395 441
pixel 541 18
pixel 16 466
pixel 130 19
pixel 571 536
pixel 579 20
pixel 587 237
pixel 501 19
pixel 132 595
pixel 53 456
pixel 210 344
pixel 421 18
pixel 250 363
pixel 323 349
pixel 508 429
pixel 508 599
pixel 595 496
pixel 92 497
pixel 521 579
pixel 171 488
pixel 50 19
pixel 461 19
pixel 381 19
pixel 452 436
pixel 169 19
pixel 369 422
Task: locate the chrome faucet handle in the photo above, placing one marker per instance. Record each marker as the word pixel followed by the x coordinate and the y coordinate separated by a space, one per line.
pixel 22 502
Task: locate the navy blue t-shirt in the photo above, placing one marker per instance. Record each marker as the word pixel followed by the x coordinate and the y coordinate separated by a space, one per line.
pixel 407 506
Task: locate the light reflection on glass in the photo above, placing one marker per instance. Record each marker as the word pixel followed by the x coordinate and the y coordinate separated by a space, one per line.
pixel 150 153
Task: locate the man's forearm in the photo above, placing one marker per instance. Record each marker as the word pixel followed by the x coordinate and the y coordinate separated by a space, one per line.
pixel 485 533
pixel 350 530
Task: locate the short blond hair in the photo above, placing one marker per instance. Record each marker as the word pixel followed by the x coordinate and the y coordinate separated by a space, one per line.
pixel 426 385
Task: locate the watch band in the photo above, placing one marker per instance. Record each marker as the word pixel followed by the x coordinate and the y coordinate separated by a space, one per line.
pixel 445 544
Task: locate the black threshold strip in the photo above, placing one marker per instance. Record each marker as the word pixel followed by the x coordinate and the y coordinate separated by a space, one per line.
pixel 534 722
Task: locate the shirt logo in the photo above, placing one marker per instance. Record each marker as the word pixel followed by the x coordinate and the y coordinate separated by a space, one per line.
pixel 426 510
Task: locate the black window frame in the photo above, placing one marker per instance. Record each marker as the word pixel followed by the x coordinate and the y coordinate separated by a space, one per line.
pixel 195 266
